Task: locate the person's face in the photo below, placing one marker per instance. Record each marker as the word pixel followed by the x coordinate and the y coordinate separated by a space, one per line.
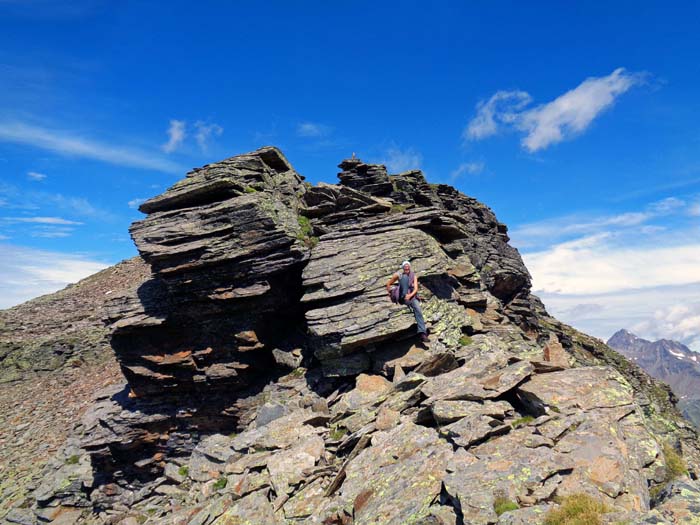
pixel 406 268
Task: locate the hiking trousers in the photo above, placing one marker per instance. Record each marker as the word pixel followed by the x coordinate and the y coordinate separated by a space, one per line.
pixel 414 305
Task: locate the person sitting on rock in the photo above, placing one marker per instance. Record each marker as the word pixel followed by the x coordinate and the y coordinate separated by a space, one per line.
pixel 408 290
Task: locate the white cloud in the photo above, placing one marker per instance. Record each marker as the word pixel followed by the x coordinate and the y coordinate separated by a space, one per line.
pixel 563 118
pixel 313 129
pixel 467 168
pixel 42 220
pixel 176 135
pixel 205 132
pixel 33 175
pixel 398 160
pixel 26 272
pixel 694 210
pixel 643 311
pixel 66 143
pixel 595 264
pixel 502 108
pixel 680 322
pixel 617 271
pixel 135 203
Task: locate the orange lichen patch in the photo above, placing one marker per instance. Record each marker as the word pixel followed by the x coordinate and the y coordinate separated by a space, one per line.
pixel 362 499
pixel 178 358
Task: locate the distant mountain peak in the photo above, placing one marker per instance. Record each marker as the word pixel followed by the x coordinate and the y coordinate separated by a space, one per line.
pixel 667 360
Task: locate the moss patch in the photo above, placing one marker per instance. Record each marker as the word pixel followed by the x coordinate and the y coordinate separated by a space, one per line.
pixel 522 421
pixel 337 432
pixel 577 509
pixel 220 483
pixel 73 460
pixel 184 471
pixel 465 340
pixel 398 208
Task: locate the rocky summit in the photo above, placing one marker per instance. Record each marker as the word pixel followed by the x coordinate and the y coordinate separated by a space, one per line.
pixel 270 380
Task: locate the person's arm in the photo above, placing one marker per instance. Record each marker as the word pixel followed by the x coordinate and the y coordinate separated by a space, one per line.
pixel 415 288
pixel 391 281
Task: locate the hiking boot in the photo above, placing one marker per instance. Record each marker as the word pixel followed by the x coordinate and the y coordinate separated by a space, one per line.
pixel 424 337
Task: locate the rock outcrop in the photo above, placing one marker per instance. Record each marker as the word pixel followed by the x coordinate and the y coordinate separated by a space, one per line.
pixel 271 380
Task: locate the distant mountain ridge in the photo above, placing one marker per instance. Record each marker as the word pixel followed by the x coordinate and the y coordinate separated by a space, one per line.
pixel 669 361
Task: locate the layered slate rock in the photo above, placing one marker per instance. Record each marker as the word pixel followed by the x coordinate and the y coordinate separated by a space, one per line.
pixel 345 288
pixel 225 248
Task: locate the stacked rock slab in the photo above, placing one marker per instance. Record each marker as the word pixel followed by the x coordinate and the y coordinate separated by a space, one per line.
pixel 224 247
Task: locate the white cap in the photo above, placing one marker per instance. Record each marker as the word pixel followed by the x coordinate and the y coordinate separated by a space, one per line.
pixel 405 263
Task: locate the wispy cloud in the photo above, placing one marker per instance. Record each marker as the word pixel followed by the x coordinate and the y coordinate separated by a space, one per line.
pixel 398 160
pixel 135 203
pixel 599 264
pixel 467 168
pixel 504 107
pixel 176 135
pixel 313 129
pixel 561 119
pixel 205 132
pixel 67 143
pixel 41 220
pixel 26 272
pixel 680 322
pixel 12 197
pixel 549 231
pixel 33 175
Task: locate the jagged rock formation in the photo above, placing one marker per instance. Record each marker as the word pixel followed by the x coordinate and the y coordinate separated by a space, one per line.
pixel 671 362
pixel 271 380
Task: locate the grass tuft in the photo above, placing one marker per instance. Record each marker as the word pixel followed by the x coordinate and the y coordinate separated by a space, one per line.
pixel 675 466
pixel 502 504
pixel 577 509
pixel 73 460
pixel 184 471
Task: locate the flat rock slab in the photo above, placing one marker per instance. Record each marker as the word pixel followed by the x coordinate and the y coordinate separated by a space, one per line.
pixel 351 273
pixel 477 381
pixel 503 466
pixel 446 412
pixel 583 388
pixel 280 433
pixel 396 480
pixel 253 509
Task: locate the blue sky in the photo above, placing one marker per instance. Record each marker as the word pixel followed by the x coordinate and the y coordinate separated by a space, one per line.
pixel 576 125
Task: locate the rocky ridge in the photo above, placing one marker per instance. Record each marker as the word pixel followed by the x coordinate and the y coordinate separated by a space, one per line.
pixel 54 356
pixel 270 380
